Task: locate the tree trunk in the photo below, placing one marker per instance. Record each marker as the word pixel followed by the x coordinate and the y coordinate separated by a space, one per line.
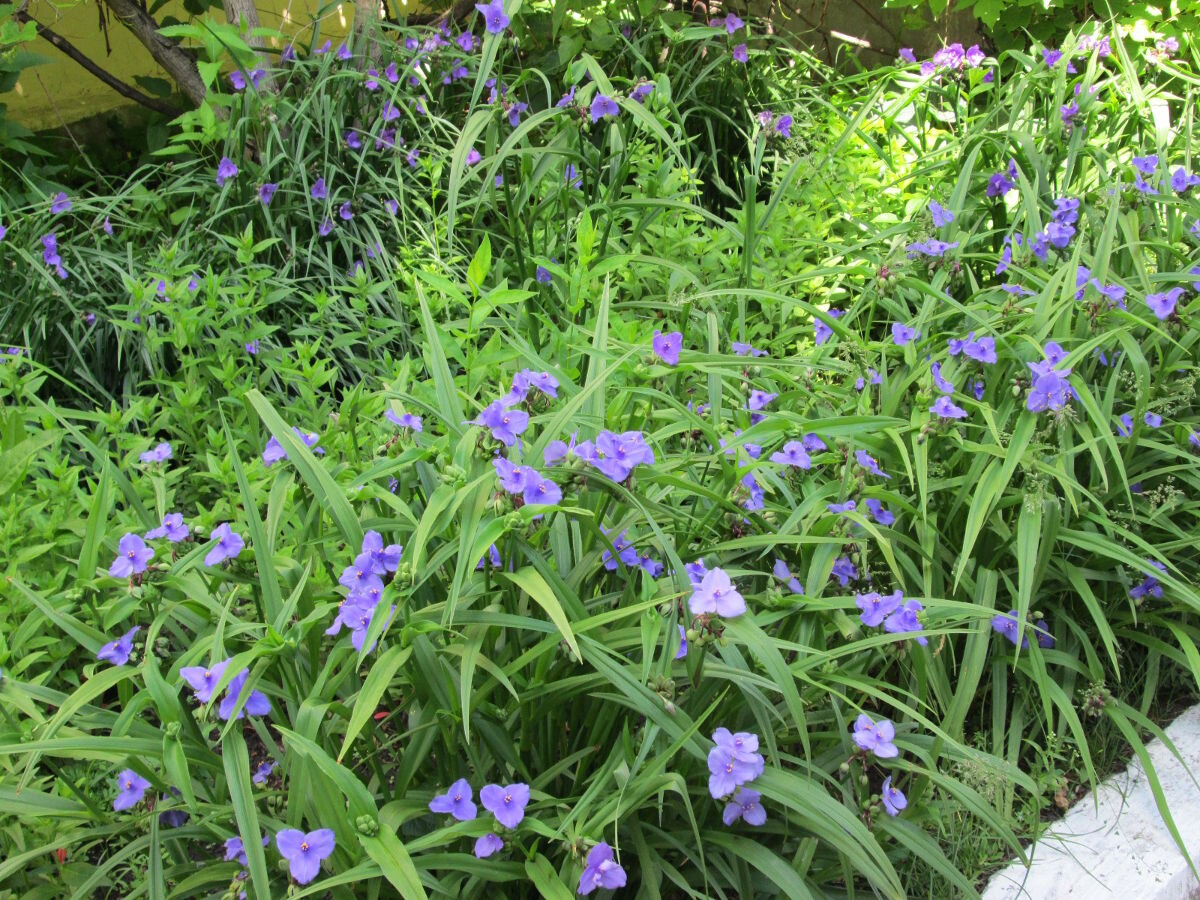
pixel 238 12
pixel 365 36
pixel 177 61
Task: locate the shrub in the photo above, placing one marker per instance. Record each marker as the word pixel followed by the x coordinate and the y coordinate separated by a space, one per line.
pixel 456 481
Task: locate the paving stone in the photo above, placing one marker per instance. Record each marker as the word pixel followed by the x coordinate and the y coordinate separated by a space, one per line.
pixel 1113 843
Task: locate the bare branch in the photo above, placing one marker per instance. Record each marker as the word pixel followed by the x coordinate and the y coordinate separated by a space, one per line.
pixel 125 90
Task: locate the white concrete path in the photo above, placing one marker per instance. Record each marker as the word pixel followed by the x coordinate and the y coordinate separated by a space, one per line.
pixel 1113 843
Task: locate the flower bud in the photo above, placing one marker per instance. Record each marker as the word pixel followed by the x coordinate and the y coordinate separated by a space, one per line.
pixel 844 768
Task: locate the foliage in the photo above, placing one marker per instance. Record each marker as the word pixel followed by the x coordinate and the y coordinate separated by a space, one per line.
pixel 1010 23
pixel 281 341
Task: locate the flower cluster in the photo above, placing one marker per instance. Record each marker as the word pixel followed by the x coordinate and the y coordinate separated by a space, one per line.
pixel 893 612
pixel 363 580
pixel 734 762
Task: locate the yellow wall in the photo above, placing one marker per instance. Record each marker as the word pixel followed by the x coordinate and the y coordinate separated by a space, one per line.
pixel 59 92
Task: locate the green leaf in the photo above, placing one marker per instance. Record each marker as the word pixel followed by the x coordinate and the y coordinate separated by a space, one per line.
pixel 532 583
pixel 393 860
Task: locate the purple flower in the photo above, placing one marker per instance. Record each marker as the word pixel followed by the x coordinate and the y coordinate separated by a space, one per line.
pixel 812 443
pixel 343 53
pixel 203 679
pixel 319 191
pixel 345 213
pixel 493 16
pixel 868 463
pixel 158 454
pixel 732 23
pixel 466 42
pixel 792 454
pixel 566 99
pixel 1163 304
pixel 879 512
pixel 784 574
pixel 1006 624
pixel 616 455
pixel 1145 164
pixel 742 349
pixel 381 559
pixel 172 528
pixel 260 776
pixel 683 648
pixel 759 400
pixel 1002 182
pixel 839 508
pixel 733 761
pixel 527 379
pixel 252 347
pixel 487 845
pixel 717 594
pixel 905 621
pixel 234 849
pixel 932 247
pixel 1050 389
pixel 1114 293
pixel 60 204
pixel 875 737
pixel 641 92
pixel 844 570
pixel 907 55
pixel 876 607
pixel 404 420
pixel 1068 112
pixel 945 408
pixel 1181 181
pixel 506 803
pixel 1125 425
pixel 741 54
pixel 225 170
pixel 667 346
pixel 783 126
pixel 274 451
pixel 304 852
pixel 543 276
pixel 941 216
pixel 746 805
pixel 540 491
pixel 504 424
pixel 456 802
pixel 982 350
pixel 902 334
pixel 50 254
pixel 1153 419
pixel 821 331
pixel 1150 586
pixel 266 192
pixel 1051 57
pixel 117 652
pixel 132 557
pixel 256 703
pixel 938 381
pixel 893 798
pixel 228 545
pixel 604 106
pixel 131 787
pixel 601 871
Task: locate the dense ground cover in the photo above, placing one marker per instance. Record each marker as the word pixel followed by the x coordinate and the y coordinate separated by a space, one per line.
pixel 636 458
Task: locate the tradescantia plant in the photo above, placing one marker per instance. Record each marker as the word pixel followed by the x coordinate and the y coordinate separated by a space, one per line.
pixel 562 533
